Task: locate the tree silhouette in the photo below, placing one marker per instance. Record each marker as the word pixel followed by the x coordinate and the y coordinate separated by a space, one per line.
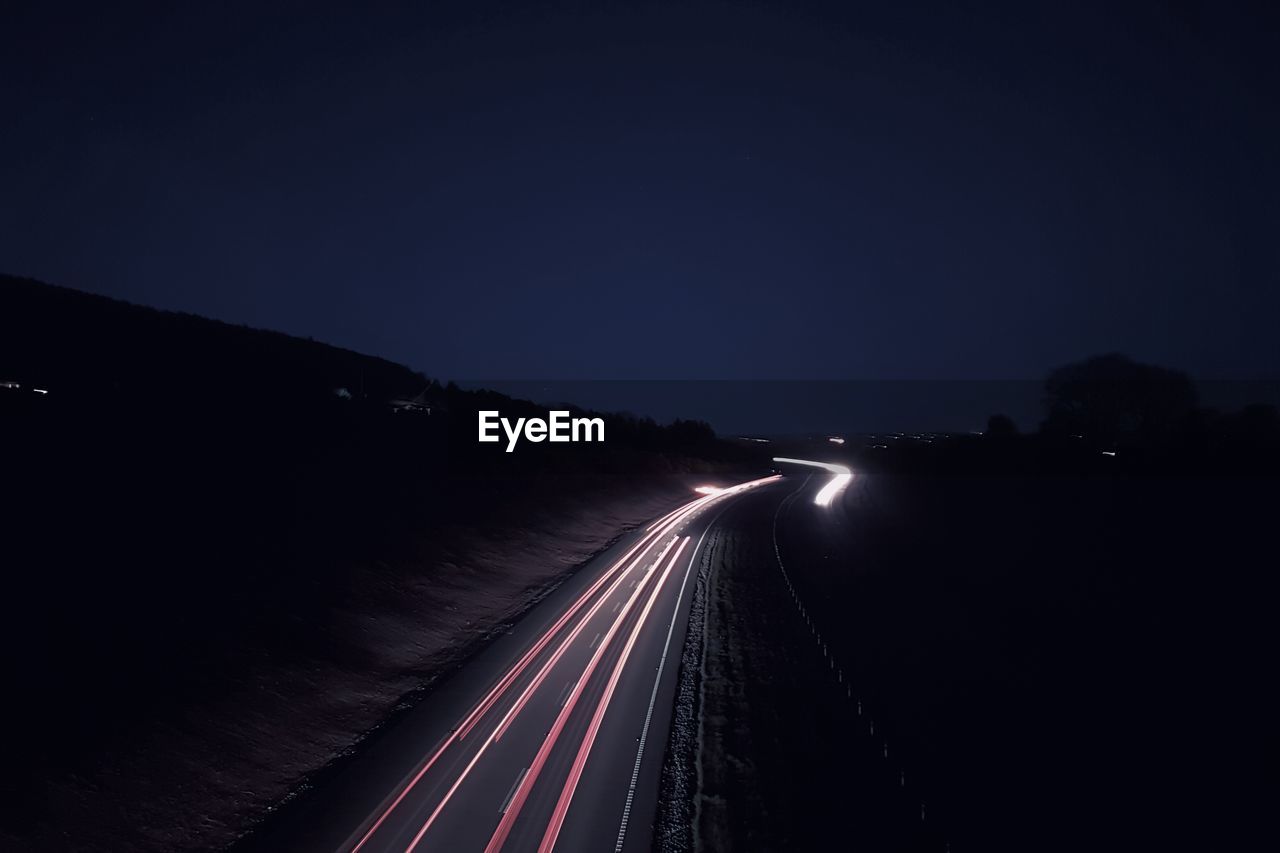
pixel 1001 426
pixel 1111 397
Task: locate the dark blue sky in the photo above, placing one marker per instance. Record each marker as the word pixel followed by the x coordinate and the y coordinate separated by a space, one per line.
pixel 605 190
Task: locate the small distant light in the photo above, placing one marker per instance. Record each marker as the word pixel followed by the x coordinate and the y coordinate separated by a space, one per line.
pixel 40 390
pixel 708 490
pixel 836 440
pixel 1108 453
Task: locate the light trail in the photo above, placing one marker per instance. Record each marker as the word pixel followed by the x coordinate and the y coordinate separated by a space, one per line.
pixel 664 525
pixel 836 485
pixel 517 800
pixel 568 641
pixel 500 834
pixel 588 741
pixel 667 523
pixel 640 551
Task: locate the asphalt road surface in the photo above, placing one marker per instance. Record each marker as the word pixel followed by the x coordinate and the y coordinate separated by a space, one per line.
pixel 552 738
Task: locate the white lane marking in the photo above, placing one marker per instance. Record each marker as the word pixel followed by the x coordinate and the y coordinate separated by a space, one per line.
pixel 616 605
pixel 594 640
pixel 506 802
pixel 653 695
pixel 564 694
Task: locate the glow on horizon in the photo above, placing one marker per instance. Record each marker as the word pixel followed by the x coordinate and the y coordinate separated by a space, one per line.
pixel 836 485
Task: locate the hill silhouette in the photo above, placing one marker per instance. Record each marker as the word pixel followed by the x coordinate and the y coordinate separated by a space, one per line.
pixel 238 550
pixel 83 344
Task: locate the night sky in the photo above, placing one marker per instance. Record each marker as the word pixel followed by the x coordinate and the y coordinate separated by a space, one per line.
pixel 622 191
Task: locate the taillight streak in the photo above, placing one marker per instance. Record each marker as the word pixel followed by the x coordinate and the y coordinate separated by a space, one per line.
pixel 589 739
pixel 564 645
pixel 522 790
pixel 654 532
pixel 671 519
pixel 494 695
pixel 548 743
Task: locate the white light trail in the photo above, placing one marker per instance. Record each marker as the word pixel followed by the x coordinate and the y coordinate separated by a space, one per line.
pixel 834 486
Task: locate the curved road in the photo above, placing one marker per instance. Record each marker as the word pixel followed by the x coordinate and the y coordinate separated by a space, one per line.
pixel 552 738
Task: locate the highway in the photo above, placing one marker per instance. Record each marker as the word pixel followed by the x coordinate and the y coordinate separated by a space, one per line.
pixel 550 739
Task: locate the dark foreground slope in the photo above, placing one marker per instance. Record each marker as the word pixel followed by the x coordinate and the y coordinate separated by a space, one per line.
pixel 219 573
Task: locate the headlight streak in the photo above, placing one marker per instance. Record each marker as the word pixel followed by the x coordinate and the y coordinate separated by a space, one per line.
pixel 836 485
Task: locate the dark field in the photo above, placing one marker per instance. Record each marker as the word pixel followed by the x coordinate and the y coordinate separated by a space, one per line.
pixel 782 759
pixel 1059 661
